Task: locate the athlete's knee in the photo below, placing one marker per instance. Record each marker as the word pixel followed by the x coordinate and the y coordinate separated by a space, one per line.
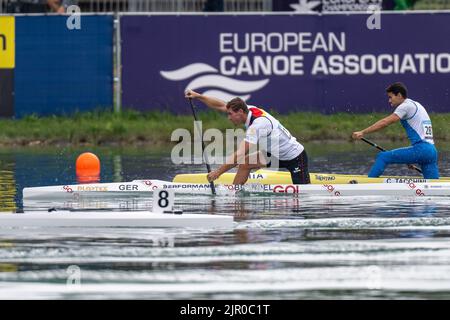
pixel 246 166
pixel 430 171
pixel 243 167
pixel 383 157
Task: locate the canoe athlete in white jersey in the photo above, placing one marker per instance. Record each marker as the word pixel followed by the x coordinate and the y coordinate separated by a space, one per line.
pixel 416 121
pixel 260 127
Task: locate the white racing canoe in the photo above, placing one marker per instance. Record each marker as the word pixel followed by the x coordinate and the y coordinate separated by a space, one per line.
pixel 146 187
pixel 113 219
pixel 75 191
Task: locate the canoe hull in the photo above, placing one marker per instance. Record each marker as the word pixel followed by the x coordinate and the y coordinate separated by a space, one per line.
pixel 146 188
pixel 282 177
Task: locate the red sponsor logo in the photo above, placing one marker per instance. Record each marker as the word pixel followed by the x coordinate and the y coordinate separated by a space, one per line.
pixel 149 183
pixel 290 188
pixel 413 186
pixel 331 189
pixel 67 189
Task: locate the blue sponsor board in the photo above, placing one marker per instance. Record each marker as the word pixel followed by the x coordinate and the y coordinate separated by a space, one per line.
pixel 61 70
pixel 327 63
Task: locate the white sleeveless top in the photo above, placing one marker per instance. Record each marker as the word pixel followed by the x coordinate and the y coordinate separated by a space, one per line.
pixel 262 127
pixel 416 121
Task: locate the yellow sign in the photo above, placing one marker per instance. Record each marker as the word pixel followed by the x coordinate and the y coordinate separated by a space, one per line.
pixel 7 43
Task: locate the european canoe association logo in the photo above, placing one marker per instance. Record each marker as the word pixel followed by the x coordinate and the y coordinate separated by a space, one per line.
pixel 202 76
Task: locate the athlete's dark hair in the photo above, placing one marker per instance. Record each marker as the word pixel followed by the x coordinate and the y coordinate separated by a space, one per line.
pixel 237 104
pixel 397 88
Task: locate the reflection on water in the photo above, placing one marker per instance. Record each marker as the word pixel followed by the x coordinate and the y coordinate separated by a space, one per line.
pixel 7 185
pixel 281 247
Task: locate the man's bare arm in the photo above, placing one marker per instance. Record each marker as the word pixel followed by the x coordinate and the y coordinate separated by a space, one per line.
pixel 211 102
pixel 376 126
pixel 238 157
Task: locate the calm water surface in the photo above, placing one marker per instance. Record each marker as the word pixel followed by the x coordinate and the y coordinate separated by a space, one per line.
pixel 279 248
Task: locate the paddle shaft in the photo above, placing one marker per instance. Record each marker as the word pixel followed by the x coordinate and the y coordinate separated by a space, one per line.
pixel 373 144
pixel 208 167
pixel 382 149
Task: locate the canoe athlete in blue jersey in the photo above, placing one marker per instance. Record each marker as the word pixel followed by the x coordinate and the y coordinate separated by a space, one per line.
pixel 416 121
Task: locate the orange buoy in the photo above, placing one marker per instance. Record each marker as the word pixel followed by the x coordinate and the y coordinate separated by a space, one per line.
pixel 88 167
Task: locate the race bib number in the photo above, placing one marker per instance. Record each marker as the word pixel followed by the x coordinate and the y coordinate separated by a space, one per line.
pixel 427 129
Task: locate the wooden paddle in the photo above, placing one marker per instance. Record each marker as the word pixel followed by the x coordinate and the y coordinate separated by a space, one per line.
pixel 382 149
pixel 208 168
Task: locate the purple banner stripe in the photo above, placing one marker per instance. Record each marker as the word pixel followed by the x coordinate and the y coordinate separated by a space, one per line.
pixel 328 63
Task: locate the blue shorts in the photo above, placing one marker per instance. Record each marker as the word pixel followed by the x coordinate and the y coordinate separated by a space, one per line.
pixel 423 153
